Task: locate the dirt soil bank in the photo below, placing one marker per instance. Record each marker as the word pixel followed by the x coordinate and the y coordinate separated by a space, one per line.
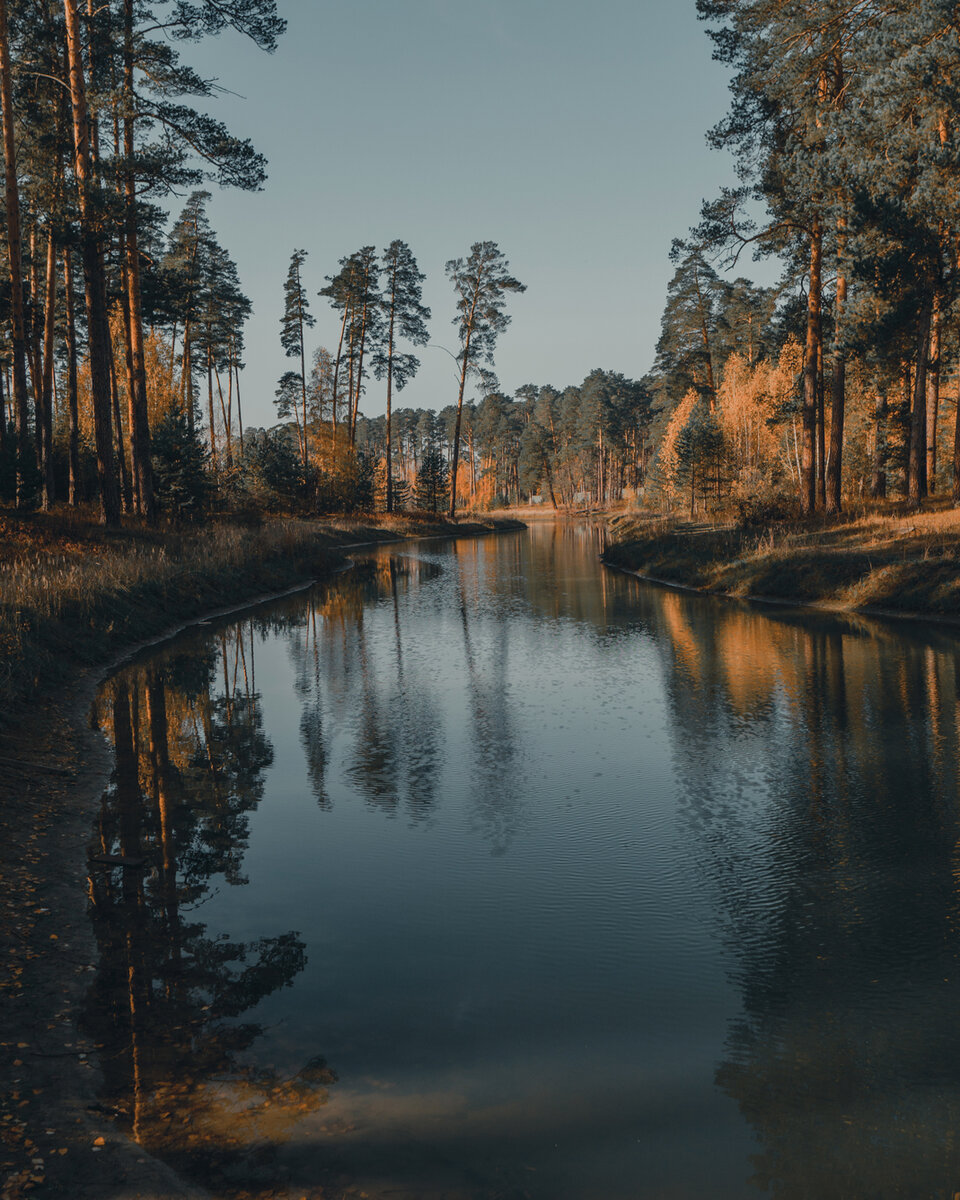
pixel 55 1141
pixel 893 565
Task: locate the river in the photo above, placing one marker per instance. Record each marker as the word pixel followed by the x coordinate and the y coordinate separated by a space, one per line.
pixel 482 871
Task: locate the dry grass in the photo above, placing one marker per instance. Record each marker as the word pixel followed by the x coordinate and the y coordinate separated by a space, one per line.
pixel 72 600
pixel 72 593
pixel 901 563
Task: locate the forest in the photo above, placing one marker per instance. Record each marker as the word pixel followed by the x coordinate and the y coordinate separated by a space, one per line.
pixel 122 316
pixel 123 326
pixel 838 383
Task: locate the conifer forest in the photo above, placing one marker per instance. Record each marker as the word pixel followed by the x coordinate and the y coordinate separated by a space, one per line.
pixel 123 328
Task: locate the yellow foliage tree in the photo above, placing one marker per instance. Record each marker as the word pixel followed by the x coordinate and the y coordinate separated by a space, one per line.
pixel 667 460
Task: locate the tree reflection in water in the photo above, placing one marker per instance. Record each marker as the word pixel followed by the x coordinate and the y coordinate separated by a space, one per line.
pixel 395 755
pixel 645 797
pixel 167 1005
pixel 846 943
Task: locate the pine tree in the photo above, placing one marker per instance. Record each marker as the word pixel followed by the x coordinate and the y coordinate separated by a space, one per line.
pixel 296 317
pixel 404 315
pixel 354 293
pixel 481 281
pixel 433 480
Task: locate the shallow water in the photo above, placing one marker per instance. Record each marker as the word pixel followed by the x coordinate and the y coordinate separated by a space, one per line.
pixel 482 871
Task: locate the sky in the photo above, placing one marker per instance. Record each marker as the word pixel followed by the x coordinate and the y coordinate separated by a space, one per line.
pixel 571 134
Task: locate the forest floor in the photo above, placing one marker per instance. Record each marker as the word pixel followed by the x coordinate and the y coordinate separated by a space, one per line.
pixel 75 601
pixel 885 562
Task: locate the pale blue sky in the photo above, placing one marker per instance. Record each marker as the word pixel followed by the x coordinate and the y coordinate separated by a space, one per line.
pixel 570 133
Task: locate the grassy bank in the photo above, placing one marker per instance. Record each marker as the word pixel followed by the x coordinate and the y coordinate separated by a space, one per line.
pixel 901 564
pixel 73 594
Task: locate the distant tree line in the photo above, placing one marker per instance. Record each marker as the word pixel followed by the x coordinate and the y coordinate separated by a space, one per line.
pixel 585 444
pixel 831 385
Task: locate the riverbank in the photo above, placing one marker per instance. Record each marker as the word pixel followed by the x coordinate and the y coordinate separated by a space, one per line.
pixel 75 602
pixel 904 565
pixel 72 592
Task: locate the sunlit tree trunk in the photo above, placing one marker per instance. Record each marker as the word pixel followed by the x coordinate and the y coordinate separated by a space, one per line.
pixel 50 312
pixel 98 330
pixel 139 421
pixel 933 394
pixel 878 481
pixel 808 481
pixel 917 463
pixel 73 405
pixel 838 398
pixel 126 484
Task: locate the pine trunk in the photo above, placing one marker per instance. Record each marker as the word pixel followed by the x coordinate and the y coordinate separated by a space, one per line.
pixel 210 416
pixel 917 463
pixel 73 391
pixel 878 481
pixel 821 427
pixel 808 480
pixel 456 432
pixel 139 419
pixel 838 399
pixel 21 413
pixel 393 311
pixel 50 312
pixel 933 394
pixel 98 331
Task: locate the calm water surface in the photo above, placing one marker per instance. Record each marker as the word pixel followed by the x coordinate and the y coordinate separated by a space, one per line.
pixel 483 872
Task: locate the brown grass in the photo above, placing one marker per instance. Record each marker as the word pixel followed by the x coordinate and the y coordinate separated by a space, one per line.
pixel 73 594
pixel 900 563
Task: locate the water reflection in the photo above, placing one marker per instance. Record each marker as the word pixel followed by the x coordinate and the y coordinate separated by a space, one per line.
pixel 819 767
pixel 601 889
pixel 167 1005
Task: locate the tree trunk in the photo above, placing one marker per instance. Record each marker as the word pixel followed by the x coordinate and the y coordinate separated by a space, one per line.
pixel 12 196
pixel 98 330
pixel 878 482
pixel 210 414
pixel 393 313
pixel 50 312
pixel 73 391
pixel 129 375
pixel 456 430
pixel 303 375
pixel 236 366
pixel 336 381
pixel 917 464
pixel 126 486
pixel 956 456
pixel 139 419
pixel 226 421
pixel 186 382
pixel 356 396
pixel 808 480
pixel 933 394
pixel 838 399
pixel 821 427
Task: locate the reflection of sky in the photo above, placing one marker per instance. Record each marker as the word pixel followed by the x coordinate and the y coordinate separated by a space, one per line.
pixel 587 849
pixel 514 947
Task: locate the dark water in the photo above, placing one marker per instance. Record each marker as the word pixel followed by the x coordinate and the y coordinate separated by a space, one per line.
pixel 484 872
